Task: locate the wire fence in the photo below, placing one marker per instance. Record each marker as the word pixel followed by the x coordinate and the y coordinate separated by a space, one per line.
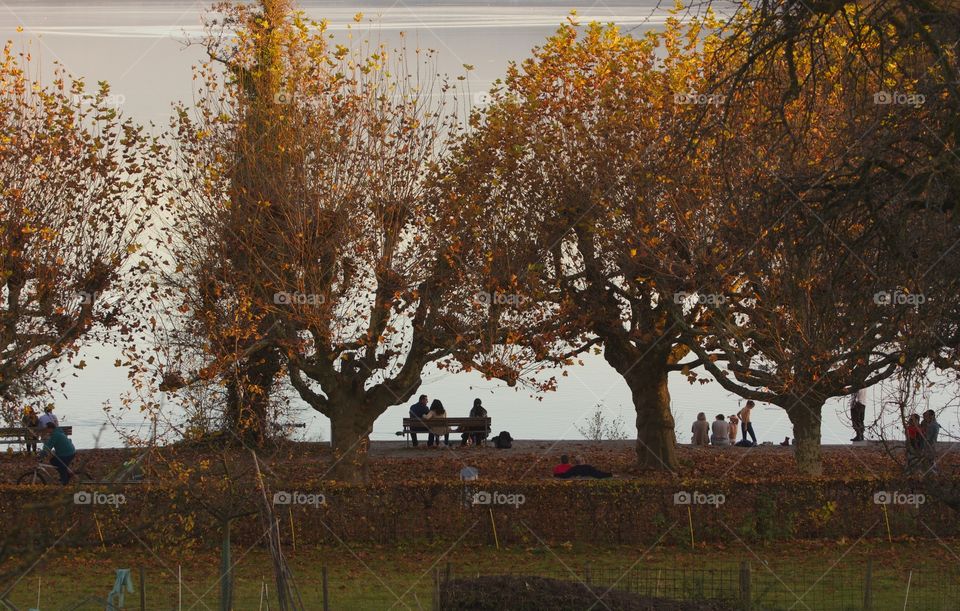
pixel 752 586
pixel 736 585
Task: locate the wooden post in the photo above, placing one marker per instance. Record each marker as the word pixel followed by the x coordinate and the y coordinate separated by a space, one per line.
pixel 586 573
pixel 143 590
pixel 326 600
pixel 868 587
pixel 493 524
pixel 746 596
pixel 436 588
pixel 293 530
pixel 446 581
pixel 226 569
pixel 906 596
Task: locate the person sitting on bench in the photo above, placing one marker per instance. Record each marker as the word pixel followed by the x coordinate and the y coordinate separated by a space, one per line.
pixel 435 431
pixel 418 410
pixel 477 411
pixel 47 417
pixel 565 470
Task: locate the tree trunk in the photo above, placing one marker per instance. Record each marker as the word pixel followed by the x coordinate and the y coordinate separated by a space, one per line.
pixel 350 439
pixel 248 397
pixel 646 375
pixel 806 419
pixel 656 436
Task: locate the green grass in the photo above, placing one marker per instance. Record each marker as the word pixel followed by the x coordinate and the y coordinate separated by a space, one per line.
pixel 401 577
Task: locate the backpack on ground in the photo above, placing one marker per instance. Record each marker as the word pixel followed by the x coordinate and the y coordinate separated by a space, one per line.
pixel 503 441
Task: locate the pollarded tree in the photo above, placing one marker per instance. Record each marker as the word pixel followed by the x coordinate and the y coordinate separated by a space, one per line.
pixel 76 185
pixel 571 177
pixel 305 236
pixel 832 292
pixel 235 157
pixel 368 300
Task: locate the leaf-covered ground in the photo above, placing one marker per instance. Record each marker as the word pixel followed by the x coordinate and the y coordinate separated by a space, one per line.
pixel 527 460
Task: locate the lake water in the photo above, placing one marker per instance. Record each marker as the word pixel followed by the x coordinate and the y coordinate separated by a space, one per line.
pixel 142 50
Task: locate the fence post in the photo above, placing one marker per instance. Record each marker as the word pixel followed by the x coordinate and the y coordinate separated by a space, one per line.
pixel 868 587
pixel 326 600
pixel 746 596
pixel 436 588
pixel 143 590
pixel 586 573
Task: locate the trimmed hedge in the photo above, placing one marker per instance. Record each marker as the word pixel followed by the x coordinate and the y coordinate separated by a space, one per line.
pixel 551 512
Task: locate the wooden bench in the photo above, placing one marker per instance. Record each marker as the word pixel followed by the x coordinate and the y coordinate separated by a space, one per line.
pixel 456 425
pixel 18 434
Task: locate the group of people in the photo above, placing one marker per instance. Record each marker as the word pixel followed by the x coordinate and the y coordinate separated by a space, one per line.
pixel 723 431
pixel 31 420
pixel 922 437
pixel 56 444
pixel 436 411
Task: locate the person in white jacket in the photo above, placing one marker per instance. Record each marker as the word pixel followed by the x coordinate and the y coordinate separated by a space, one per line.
pixel 48 416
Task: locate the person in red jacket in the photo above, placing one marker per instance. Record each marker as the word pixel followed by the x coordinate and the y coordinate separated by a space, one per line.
pixel 563 467
pixel 565 470
pixel 914 438
pixel 914 442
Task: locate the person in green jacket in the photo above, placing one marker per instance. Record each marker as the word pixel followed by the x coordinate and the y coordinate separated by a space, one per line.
pixel 55 440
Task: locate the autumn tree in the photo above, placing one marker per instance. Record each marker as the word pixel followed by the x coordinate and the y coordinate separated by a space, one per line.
pixel 368 301
pixel 233 172
pixel 834 251
pixel 77 182
pixel 568 176
pixel 304 237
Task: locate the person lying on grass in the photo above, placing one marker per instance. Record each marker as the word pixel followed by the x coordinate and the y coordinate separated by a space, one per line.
pixel 565 470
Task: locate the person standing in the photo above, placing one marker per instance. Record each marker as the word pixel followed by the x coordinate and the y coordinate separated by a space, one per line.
pixel 746 424
pixel 930 429
pixel 858 413
pixel 701 430
pixel 721 432
pixel 435 431
pixel 418 410
pixel 30 421
pixel 914 442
